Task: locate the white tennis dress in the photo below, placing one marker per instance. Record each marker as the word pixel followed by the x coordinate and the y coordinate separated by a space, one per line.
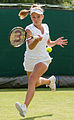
pixel 39 53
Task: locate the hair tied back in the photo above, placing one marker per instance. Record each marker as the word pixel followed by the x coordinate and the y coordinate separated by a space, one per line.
pixel 23 13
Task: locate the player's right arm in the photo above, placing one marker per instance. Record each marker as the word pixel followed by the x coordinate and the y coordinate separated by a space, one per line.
pixel 32 42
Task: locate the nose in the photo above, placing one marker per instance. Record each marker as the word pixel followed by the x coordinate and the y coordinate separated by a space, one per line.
pixel 35 18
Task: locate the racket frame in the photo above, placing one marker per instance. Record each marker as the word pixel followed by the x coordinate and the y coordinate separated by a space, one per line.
pixel 25 35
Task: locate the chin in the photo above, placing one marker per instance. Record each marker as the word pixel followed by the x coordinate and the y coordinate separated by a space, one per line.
pixel 37 24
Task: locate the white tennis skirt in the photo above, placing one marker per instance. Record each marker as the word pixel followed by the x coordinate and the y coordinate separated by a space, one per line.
pixel 30 64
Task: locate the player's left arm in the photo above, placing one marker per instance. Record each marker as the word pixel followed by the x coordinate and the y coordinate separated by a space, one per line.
pixel 60 41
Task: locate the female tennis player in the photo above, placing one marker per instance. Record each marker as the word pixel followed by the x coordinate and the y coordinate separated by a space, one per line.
pixel 37 60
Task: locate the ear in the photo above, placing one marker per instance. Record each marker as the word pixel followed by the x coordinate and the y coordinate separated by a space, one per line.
pixel 42 17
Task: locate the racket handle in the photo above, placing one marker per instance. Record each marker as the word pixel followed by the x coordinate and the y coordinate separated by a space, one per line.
pixel 34 37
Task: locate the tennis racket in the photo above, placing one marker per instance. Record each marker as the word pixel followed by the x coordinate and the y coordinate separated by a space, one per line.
pixel 18 35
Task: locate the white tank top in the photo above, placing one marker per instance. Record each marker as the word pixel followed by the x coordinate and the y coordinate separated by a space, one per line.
pixel 39 52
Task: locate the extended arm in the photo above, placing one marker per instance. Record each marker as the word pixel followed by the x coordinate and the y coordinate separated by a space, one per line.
pixel 60 41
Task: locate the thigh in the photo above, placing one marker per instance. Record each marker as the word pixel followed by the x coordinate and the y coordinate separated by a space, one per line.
pixel 39 70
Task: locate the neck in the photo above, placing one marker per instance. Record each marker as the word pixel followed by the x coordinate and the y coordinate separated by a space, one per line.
pixel 38 26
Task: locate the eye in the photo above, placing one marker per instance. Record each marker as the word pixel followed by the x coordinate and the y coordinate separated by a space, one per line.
pixel 33 16
pixel 38 16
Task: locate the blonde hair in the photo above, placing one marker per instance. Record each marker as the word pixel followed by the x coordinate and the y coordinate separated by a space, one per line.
pixel 24 13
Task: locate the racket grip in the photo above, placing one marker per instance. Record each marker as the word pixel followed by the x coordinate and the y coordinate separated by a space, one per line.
pixel 35 37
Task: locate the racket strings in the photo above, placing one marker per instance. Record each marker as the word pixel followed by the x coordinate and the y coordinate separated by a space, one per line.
pixel 17 37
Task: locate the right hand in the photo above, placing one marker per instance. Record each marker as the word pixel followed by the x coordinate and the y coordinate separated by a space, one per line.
pixel 39 38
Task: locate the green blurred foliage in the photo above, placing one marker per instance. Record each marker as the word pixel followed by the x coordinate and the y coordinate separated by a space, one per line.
pixel 17 1
pixel 59 2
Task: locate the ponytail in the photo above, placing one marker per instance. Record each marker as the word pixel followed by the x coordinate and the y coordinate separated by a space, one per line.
pixel 23 13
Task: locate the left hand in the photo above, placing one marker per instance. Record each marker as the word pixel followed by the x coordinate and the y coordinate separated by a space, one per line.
pixel 60 41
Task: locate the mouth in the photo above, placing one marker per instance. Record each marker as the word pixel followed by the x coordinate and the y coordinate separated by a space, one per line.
pixel 36 22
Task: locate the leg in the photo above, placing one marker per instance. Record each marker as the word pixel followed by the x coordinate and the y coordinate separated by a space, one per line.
pixel 38 71
pixel 45 81
pixel 40 81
